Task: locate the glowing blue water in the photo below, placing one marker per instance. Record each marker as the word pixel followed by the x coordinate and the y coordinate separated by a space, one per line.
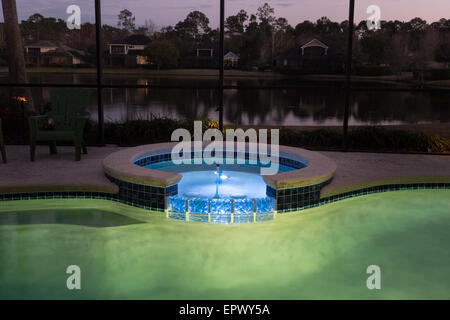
pixel 241 191
pixel 238 180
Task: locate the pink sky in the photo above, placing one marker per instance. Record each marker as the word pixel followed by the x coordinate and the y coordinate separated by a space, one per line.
pixel 169 12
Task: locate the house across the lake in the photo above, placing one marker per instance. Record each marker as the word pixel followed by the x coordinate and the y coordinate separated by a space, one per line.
pixel 47 53
pixel 231 60
pixel 207 57
pixel 202 57
pixel 128 52
pixel 311 57
pixel 205 52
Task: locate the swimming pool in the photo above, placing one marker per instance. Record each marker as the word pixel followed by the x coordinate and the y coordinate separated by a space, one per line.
pixel 321 253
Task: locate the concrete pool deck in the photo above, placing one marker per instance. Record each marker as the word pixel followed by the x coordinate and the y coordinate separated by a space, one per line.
pixel 357 170
pixel 55 173
pixel 354 170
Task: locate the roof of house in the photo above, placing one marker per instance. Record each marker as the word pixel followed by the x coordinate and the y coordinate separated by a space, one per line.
pixel 314 43
pixel 295 53
pixel 41 44
pixel 61 50
pixel 137 39
pixel 231 54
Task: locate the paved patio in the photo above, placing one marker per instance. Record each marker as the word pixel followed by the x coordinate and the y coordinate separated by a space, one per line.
pixel 61 173
pixel 57 172
pixel 359 170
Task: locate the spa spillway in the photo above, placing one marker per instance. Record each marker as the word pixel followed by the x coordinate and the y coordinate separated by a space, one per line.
pixel 219 189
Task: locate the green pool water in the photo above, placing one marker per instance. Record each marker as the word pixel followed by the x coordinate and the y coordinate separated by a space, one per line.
pixel 321 253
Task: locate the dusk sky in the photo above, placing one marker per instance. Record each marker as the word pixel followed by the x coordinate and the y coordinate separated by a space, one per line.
pixel 169 12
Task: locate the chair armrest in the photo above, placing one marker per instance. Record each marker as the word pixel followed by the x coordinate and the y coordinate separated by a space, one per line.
pixel 33 123
pixel 44 116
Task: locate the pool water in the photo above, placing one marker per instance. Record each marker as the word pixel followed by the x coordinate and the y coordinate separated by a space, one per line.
pixel 228 164
pixel 202 184
pixel 320 253
pixel 237 180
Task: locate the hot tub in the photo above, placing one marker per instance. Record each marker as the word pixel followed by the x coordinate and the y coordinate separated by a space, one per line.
pixel 232 192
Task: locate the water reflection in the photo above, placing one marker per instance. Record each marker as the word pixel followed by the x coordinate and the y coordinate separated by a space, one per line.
pixel 293 107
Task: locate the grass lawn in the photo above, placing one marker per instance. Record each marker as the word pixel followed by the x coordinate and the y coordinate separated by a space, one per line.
pixel 163 73
pixel 403 78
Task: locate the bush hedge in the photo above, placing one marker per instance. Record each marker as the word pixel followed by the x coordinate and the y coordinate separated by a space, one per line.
pixel 379 139
pixel 434 74
pixel 373 71
pixel 156 130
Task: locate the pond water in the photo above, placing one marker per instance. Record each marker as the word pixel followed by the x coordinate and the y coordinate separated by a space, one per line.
pixel 321 106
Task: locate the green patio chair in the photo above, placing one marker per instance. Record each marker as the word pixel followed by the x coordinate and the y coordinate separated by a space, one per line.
pixel 68 114
pixel 2 143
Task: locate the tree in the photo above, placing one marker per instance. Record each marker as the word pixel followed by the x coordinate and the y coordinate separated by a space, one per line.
pixel 392 27
pixel 16 59
pixel 418 24
pixel 252 44
pixel 443 53
pixel 38 27
pixel 424 53
pixel 305 27
pixel 376 47
pixel 195 26
pixel 266 14
pixel 236 24
pixel 127 20
pixel 326 28
pixel 163 54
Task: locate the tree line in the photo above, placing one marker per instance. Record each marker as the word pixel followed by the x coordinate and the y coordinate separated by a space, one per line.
pixel 259 37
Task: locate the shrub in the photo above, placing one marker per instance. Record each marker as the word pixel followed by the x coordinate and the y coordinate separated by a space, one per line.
pixel 321 138
pixel 379 139
pixel 438 144
pixel 434 74
pixel 137 132
pixel 163 53
pixel 156 130
pixel 373 71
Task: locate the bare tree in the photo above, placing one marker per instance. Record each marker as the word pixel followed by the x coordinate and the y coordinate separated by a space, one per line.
pixel 16 59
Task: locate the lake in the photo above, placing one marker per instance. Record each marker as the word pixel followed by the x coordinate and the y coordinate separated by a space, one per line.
pixel 320 106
